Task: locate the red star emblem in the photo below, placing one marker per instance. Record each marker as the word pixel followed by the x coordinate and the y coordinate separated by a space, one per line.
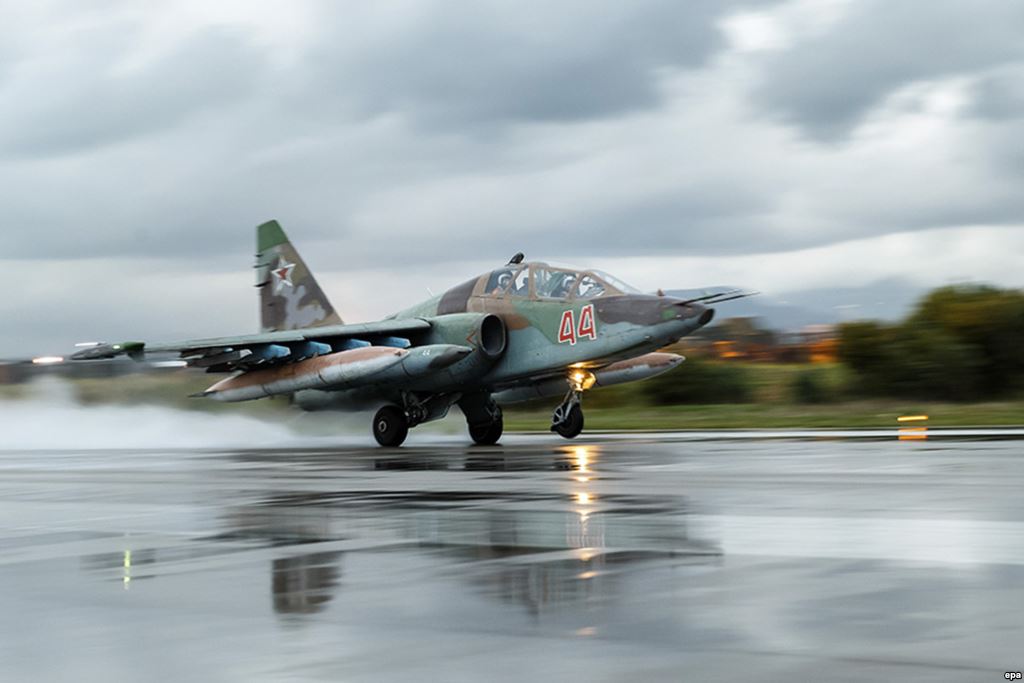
pixel 283 274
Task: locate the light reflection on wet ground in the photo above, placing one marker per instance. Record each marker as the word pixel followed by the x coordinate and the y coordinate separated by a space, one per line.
pixel 638 558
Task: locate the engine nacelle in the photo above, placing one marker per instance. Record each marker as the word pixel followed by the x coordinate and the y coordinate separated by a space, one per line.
pixel 485 333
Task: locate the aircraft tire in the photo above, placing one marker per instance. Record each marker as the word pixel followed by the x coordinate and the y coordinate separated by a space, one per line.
pixel 488 433
pixel 573 424
pixel 390 426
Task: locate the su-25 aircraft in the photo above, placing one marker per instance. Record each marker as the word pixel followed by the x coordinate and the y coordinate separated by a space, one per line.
pixel 523 331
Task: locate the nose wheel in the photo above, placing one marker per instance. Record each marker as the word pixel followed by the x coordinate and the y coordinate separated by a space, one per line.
pixel 567 420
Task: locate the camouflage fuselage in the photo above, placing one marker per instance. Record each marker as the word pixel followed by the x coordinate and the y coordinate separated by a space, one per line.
pixel 544 337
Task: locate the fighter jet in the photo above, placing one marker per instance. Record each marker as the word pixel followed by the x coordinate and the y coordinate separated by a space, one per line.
pixel 525 330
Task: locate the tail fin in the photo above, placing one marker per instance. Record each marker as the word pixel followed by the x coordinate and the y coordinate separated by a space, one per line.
pixel 290 298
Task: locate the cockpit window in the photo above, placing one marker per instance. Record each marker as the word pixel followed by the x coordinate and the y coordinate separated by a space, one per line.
pixel 616 283
pixel 554 283
pixel 551 282
pixel 512 281
pixel 589 287
pixel 499 281
pixel 520 283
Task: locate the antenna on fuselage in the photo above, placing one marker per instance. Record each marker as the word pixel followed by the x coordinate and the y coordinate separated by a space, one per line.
pixel 516 260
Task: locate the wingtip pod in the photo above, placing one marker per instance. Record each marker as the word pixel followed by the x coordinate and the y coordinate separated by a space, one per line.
pixel 133 349
pixel 642 367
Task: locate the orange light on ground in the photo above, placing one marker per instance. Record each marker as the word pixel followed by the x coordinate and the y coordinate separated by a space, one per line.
pixel 920 436
pixel 912 433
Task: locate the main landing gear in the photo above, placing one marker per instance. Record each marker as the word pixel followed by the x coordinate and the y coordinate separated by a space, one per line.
pixel 483 417
pixel 390 426
pixel 488 433
pixel 392 423
pixel 567 420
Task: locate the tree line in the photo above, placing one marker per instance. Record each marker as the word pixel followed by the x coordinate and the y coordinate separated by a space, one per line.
pixel 959 343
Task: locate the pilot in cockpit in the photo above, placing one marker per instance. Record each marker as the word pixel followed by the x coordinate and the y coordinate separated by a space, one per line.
pixel 564 287
pixel 504 279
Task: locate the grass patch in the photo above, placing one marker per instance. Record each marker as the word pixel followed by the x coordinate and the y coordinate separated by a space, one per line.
pixel 781 416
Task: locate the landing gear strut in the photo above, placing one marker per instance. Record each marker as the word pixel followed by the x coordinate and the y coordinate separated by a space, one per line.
pixel 567 419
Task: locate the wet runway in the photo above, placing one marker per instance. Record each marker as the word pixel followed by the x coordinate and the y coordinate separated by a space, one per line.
pixel 641 557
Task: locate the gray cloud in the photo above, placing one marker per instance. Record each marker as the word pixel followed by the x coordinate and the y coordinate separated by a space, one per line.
pixel 386 136
pixel 87 102
pixel 1000 95
pixel 497 62
pixel 826 83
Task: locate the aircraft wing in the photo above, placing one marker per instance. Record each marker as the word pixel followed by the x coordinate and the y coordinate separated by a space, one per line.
pixel 223 354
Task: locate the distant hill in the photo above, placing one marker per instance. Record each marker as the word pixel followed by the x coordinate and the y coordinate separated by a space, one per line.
pixel 888 299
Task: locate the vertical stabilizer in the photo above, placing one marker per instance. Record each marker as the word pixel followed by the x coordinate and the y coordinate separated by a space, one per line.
pixel 290 297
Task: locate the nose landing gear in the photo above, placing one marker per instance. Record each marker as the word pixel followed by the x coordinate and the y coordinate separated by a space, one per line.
pixel 567 420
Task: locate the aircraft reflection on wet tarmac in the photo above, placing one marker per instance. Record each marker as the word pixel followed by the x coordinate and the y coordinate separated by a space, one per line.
pixel 561 549
pixel 618 558
pixel 550 548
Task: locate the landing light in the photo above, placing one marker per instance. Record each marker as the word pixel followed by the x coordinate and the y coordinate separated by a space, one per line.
pixel 48 360
pixel 581 380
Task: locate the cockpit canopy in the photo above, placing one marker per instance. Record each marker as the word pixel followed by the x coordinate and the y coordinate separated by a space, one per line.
pixel 542 281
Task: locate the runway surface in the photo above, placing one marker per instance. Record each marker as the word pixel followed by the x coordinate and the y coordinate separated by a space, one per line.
pixel 628 557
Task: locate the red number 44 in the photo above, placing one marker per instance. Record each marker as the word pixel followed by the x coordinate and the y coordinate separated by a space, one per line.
pixel 569 332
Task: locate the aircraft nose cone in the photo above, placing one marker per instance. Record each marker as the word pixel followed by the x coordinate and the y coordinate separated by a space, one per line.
pixel 688 311
pixel 706 316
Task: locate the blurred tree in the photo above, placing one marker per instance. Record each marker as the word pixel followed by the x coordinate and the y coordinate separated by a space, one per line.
pixel 960 343
pixel 809 388
pixel 989 321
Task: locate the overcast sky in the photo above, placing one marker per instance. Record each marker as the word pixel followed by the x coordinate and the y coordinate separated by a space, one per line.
pixel 408 145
